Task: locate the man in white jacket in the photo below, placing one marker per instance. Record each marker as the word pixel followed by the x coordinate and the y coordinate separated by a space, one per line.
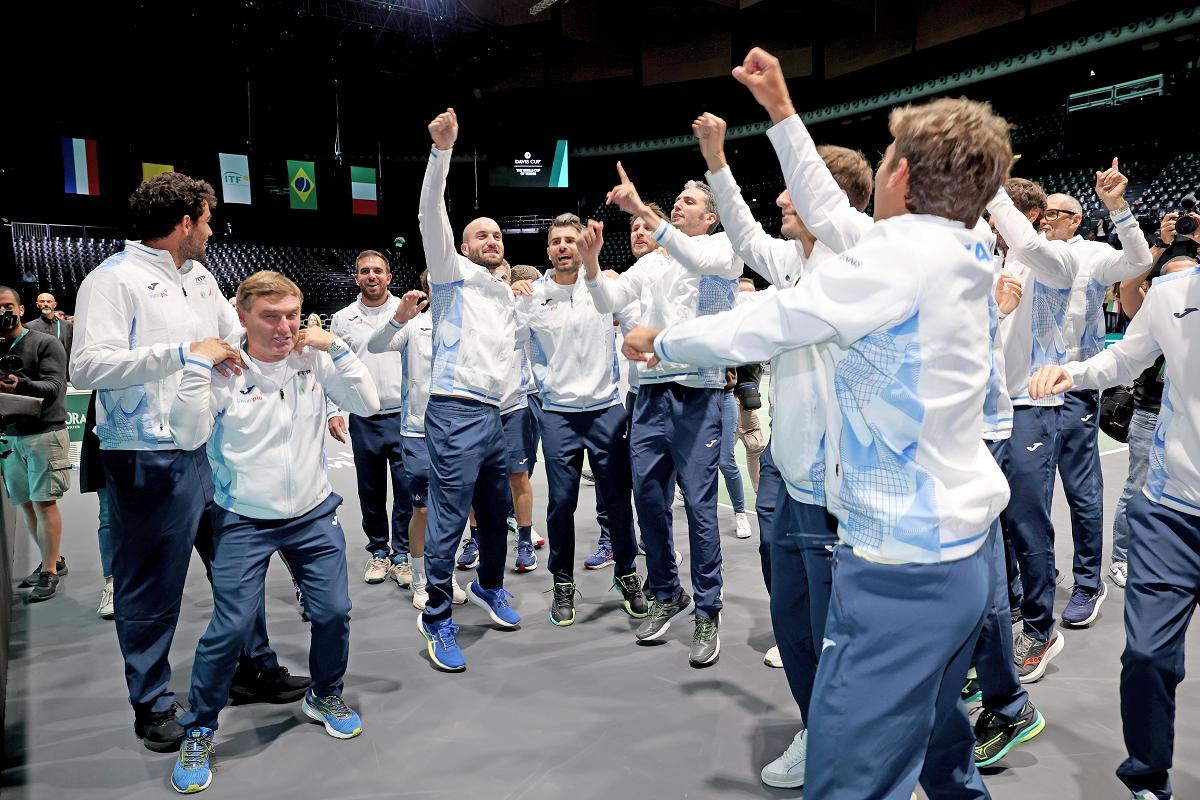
pixel 913 487
pixel 138 315
pixel 1164 521
pixel 265 430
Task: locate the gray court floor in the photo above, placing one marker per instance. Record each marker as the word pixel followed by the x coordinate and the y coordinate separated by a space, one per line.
pixel 541 712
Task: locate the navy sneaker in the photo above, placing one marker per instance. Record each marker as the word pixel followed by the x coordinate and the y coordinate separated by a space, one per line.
pixel 469 558
pixel 526 558
pixel 443 649
pixel 340 721
pixel 603 557
pixel 495 602
pixel 192 772
pixel 1084 605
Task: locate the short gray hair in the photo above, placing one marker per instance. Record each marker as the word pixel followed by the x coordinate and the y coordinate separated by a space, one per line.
pixel 710 203
pixel 567 220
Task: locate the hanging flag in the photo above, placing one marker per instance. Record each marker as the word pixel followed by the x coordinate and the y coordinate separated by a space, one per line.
pixel 302 183
pixel 150 170
pixel 81 172
pixel 363 197
pixel 235 178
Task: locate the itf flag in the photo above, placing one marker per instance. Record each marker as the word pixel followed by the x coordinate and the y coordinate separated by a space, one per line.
pixel 81 171
pixel 235 178
pixel 302 184
pixel 150 170
pixel 363 197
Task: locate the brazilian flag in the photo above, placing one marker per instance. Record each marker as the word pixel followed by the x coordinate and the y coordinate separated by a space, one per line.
pixel 302 184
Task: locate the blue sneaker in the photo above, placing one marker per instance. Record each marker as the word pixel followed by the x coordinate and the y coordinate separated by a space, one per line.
pixel 1084 605
pixel 339 719
pixel 600 559
pixel 192 772
pixel 469 559
pixel 526 558
pixel 495 602
pixel 443 650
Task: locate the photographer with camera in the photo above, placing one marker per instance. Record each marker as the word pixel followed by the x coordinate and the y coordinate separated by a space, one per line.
pixel 1177 234
pixel 36 463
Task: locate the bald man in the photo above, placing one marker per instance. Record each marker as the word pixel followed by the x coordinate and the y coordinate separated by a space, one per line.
pixel 474 351
pixel 50 321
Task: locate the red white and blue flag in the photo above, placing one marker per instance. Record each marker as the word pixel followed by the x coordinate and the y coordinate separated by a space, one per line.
pixel 81 170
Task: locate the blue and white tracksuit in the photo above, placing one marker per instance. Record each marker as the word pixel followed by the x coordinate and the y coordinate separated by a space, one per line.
pixel 1164 523
pixel 265 431
pixel 376 441
pixel 473 352
pixel 414 341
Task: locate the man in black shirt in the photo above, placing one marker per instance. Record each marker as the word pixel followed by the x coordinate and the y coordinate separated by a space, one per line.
pixel 37 464
pixel 52 321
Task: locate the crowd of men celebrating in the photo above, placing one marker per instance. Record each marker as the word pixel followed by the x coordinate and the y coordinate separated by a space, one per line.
pixel 930 373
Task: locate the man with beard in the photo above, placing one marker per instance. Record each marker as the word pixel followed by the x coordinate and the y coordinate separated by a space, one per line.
pixel 51 321
pixel 474 340
pixel 139 315
pixel 377 441
pixel 575 364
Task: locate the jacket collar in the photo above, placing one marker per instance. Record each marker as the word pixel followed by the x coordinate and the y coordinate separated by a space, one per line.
pixel 159 259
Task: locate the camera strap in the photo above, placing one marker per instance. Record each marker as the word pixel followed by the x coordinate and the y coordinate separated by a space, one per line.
pixel 13 343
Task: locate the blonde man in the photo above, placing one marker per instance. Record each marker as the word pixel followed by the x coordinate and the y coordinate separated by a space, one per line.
pixel 265 430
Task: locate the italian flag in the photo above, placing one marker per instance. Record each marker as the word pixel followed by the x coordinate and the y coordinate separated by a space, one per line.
pixel 363 195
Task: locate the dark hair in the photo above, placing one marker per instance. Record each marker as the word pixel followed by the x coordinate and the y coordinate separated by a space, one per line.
pixel 158 204
pixel 387 265
pixel 852 172
pixel 13 292
pixel 1026 195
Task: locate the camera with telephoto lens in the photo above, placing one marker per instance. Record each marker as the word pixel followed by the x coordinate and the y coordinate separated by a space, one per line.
pixel 11 364
pixel 1185 224
pixel 747 394
pixel 8 319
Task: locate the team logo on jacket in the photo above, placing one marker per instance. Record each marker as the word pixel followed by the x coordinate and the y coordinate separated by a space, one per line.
pixel 155 291
pixel 247 390
pixel 248 395
pixel 1184 313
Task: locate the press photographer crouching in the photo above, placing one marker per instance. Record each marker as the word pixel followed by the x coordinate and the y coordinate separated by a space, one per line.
pixel 34 452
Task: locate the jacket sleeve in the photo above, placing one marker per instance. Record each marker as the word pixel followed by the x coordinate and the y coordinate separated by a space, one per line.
pixel 1124 360
pixel 841 303
pixel 51 369
pixel 1131 260
pixel 102 356
pixel 702 255
pixel 612 294
pixel 437 238
pixel 195 405
pixel 389 337
pixel 777 260
pixel 816 196
pixel 1049 261
pixel 348 383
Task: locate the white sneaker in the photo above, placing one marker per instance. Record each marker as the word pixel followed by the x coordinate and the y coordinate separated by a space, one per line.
pixel 772 659
pixel 679 496
pixel 1119 572
pixel 106 610
pixel 743 525
pixel 678 558
pixel 377 569
pixel 420 593
pixel 538 540
pixel 787 771
pixel 401 573
pixel 459 596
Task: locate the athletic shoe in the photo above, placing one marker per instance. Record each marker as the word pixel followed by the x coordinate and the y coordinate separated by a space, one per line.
pixel 274 685
pixel 340 721
pixel 512 526
pixel 443 649
pixel 47 587
pixel 772 659
pixel 377 567
pixel 1057 577
pixel 634 601
pixel 678 558
pixel 679 496
pixel 1119 572
pixel 743 525
pixel 526 559
pixel 706 644
pixel 31 580
pixel 401 572
pixel 1033 656
pixel 600 559
pixel 1145 794
pixel 787 771
pixel 659 617
pixel 458 595
pixel 469 558
pixel 588 477
pixel 994 737
pixel 495 602
pixel 420 587
pixel 1084 606
pixel 192 772
pixel 1015 613
pixel 562 609
pixel 158 731
pixel 971 693
pixel 106 609
pixel 538 540
pixel 641 547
